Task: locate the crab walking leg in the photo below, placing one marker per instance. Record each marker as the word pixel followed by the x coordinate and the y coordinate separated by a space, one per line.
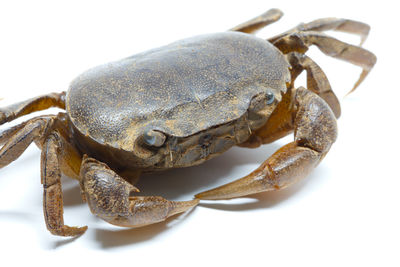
pixel 109 197
pixel 315 131
pixel 7 134
pixel 300 41
pixel 17 110
pixel 327 24
pixel 316 79
pixel 259 22
pixel 52 195
pixel 18 138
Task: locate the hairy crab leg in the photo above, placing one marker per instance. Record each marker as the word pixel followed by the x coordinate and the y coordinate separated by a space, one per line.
pixel 43 102
pixel 57 156
pixel 316 79
pixel 109 197
pixel 327 24
pixel 300 41
pixel 8 133
pixel 18 138
pixel 259 22
pixel 315 130
pixel 52 195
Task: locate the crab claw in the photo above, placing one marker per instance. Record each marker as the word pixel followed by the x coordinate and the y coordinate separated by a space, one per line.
pixel 151 209
pixel 247 185
pixel 109 197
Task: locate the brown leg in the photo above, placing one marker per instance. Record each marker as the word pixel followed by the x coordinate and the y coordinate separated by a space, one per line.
pixel 57 155
pixel 316 79
pixel 300 41
pixel 52 195
pixel 327 24
pixel 7 134
pixel 17 110
pixel 315 131
pixel 18 138
pixel 259 22
pixel 109 197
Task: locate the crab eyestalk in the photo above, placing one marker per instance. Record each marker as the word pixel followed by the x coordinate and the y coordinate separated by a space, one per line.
pixel 154 138
pixel 143 146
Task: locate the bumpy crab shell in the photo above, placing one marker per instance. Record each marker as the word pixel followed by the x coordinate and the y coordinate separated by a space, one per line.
pixel 179 89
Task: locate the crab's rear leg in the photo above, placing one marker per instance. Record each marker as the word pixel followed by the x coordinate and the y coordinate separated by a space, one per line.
pixel 301 41
pixel 43 102
pixel 259 22
pixel 18 138
pixel 315 131
pixel 109 197
pixel 316 79
pixel 327 24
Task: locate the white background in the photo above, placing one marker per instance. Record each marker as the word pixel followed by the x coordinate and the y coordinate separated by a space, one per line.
pixel 344 214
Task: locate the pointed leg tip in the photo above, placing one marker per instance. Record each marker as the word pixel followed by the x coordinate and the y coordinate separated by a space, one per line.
pixel 81 230
pixel 68 231
pixel 206 195
pixel 244 186
pixel 193 202
pixel 76 231
pixel 182 206
pixel 276 11
pixel 201 196
pixel 212 194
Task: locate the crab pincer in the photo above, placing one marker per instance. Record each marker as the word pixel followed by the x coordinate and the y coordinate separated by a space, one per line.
pixel 110 197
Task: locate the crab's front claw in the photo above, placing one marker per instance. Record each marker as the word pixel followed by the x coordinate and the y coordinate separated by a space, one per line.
pixel 151 209
pixel 315 131
pixel 109 197
pixel 288 165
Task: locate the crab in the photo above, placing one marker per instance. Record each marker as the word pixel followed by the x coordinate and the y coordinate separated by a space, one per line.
pixel 180 105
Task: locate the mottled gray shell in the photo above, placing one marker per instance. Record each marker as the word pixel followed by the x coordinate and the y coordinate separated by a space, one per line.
pixel 179 89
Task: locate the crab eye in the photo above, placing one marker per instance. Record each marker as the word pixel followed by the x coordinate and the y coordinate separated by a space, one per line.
pixel 154 138
pixel 270 98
